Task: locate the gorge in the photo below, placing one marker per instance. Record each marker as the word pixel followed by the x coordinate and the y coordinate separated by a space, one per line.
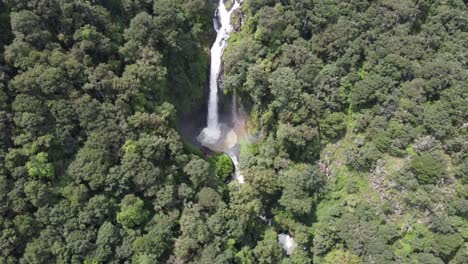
pixel 128 127
pixel 218 136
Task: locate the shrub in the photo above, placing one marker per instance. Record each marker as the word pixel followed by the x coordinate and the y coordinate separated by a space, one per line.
pixel 132 212
pixel 39 166
pixel 428 168
pixel 223 166
pixel 341 256
pixel 333 125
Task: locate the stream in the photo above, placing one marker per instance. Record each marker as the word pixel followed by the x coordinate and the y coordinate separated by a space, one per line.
pixel 219 136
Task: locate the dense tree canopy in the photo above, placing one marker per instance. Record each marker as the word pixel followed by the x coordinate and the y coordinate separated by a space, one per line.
pixel 358 128
pixel 372 94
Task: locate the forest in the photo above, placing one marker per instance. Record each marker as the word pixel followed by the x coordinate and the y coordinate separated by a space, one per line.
pixel 358 109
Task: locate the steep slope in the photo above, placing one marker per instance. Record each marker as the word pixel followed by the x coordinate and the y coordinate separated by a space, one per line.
pixel 372 95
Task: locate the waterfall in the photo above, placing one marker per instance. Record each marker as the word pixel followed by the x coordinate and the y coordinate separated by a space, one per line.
pixel 287 242
pixel 222 23
pixel 237 176
pixel 216 136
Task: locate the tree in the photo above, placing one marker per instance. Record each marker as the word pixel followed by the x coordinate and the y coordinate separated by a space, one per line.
pixel 286 90
pixel 263 180
pixel 370 90
pixel 224 167
pixel 39 166
pixel 97 210
pixel 437 120
pixel 195 232
pixel 341 256
pixel 199 171
pixel 300 142
pixel 245 204
pixel 298 256
pixel 428 167
pixel 333 125
pixel 445 245
pixel 132 212
pixel 299 182
pixel 208 198
pixel 156 242
pixel 28 26
pixel 245 255
pixel 363 157
pixel 37 251
pixel 38 193
pixel 107 238
pixel 90 165
pixel 268 249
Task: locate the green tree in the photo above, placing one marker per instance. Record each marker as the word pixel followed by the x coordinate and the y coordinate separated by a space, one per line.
pixel 199 171
pixel 268 249
pixel 333 126
pixel 341 256
pixel 132 212
pixel 208 198
pixel 195 232
pixel 299 182
pixel 107 239
pixel 40 167
pixel 223 166
pixel 428 167
pixel 37 251
pixel 27 26
pixel 156 242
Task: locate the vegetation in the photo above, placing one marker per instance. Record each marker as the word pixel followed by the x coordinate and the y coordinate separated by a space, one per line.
pixel 354 91
pixel 223 166
pixel 359 108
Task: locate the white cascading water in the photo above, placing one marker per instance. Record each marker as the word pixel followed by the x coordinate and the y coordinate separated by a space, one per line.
pixel 287 242
pixel 237 176
pixel 232 153
pixel 210 135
